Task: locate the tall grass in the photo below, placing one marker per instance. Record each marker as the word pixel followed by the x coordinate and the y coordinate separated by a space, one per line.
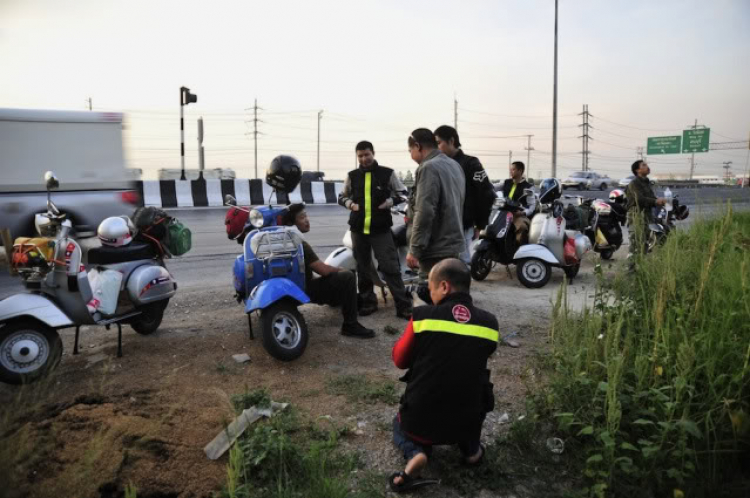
pixel 652 385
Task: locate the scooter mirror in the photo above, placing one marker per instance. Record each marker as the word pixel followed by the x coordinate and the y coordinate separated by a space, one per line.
pixel 50 179
pixel 229 200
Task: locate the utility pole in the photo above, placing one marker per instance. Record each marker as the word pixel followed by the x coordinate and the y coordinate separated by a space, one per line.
pixel 201 151
pixel 320 116
pixel 692 156
pixel 727 165
pixel 529 148
pixel 639 153
pixel 510 158
pixel 554 107
pixel 455 112
pixel 90 104
pixel 585 137
pixel 185 98
pixel 255 136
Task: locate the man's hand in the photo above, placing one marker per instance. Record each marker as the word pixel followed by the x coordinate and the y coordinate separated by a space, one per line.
pixel 354 206
pixel 386 204
pixel 661 201
pixel 411 261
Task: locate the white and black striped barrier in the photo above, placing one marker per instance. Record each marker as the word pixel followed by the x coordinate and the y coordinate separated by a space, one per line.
pixel 207 193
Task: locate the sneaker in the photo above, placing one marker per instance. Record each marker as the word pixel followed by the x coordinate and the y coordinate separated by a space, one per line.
pixel 405 312
pixel 368 309
pixel 357 330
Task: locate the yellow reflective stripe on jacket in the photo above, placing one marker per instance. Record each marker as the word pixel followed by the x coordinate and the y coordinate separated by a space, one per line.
pixel 432 325
pixel 368 202
pixel 512 191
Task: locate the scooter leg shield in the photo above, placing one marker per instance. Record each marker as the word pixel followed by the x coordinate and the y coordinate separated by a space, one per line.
pixel 34 306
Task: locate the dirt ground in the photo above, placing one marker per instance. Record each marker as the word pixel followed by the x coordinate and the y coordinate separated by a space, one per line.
pixel 146 417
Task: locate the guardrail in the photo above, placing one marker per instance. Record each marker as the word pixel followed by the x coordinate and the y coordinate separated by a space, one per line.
pixel 209 193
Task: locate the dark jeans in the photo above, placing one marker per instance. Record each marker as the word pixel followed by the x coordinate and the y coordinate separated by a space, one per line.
pixel 385 252
pixel 410 448
pixel 336 289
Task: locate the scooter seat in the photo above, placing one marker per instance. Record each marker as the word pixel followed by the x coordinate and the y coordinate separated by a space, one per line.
pixel 106 255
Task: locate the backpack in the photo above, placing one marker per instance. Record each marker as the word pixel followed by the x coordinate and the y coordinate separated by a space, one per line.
pixel 179 240
pixel 166 233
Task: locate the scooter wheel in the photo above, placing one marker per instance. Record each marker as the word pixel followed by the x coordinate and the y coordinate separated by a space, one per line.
pixel 572 271
pixel 284 331
pixel 150 318
pixel 481 264
pixel 533 273
pixel 29 350
pixel 607 253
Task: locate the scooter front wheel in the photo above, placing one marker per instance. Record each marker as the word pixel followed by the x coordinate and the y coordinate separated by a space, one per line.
pixel 29 350
pixel 150 318
pixel 533 273
pixel 284 331
pixel 481 264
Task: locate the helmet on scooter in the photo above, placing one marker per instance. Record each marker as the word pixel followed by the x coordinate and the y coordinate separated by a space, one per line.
pixel 681 212
pixel 114 232
pixel 549 190
pixel 235 222
pixel 284 173
pixel 617 196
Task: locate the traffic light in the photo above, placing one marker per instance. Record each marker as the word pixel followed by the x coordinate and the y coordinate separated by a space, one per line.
pixel 187 97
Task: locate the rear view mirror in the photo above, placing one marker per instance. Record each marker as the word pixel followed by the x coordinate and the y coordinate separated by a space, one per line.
pixel 229 200
pixel 51 181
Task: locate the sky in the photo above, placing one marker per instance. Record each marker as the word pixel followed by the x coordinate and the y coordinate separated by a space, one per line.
pixel 379 69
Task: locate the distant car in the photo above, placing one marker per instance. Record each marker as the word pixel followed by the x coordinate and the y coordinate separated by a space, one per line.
pixel 625 181
pixel 587 180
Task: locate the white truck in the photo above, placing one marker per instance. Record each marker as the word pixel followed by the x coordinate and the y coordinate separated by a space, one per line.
pixel 85 151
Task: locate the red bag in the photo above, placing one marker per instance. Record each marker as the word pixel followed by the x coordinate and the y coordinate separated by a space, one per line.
pixel 569 251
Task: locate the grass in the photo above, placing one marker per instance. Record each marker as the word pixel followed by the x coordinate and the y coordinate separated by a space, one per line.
pixel 359 389
pixel 652 384
pixel 285 457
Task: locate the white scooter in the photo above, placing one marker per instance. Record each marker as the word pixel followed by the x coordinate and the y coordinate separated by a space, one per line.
pixel 58 291
pixel 343 257
pixel 550 244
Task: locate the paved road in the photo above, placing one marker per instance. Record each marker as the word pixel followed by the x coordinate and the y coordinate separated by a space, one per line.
pixel 208 264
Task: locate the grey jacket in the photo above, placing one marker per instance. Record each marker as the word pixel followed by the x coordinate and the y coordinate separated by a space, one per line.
pixel 436 208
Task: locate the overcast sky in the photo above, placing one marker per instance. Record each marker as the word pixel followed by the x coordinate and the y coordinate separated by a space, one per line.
pixel 380 69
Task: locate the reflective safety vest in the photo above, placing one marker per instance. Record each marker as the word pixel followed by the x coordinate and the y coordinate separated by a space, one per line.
pixel 448 388
pixel 370 188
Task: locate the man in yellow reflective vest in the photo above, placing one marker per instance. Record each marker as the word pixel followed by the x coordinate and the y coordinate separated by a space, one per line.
pixel 448 388
pixel 369 193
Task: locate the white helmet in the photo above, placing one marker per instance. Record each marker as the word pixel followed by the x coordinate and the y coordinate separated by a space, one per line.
pixel 617 195
pixel 114 232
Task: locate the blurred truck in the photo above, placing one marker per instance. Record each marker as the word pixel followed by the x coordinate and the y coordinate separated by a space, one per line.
pixel 84 149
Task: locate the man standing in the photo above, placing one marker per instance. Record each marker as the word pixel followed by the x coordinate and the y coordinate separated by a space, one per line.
pixel 479 191
pixel 335 287
pixel 513 189
pixel 435 207
pixel 448 388
pixel 641 200
pixel 369 193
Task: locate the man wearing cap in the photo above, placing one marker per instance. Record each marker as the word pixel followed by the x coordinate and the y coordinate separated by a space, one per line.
pixel 335 287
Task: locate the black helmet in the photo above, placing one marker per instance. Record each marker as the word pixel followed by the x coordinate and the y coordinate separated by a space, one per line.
pixel 681 212
pixel 284 173
pixel 549 190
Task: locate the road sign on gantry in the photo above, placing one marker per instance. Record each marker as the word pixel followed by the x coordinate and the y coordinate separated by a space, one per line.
pixel 663 145
pixel 695 140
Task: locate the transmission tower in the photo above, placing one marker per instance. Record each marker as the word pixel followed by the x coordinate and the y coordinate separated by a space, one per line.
pixel 585 128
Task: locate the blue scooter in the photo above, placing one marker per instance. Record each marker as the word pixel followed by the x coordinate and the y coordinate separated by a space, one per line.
pixel 270 276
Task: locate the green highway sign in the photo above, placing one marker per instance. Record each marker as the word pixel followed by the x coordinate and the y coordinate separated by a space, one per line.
pixel 695 140
pixel 663 145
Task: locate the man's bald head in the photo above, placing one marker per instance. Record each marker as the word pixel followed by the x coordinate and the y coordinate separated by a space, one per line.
pixel 454 272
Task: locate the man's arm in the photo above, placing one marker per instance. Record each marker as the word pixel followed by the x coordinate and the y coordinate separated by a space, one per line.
pixel 425 207
pixel 345 195
pixel 482 188
pixel 403 350
pixel 323 269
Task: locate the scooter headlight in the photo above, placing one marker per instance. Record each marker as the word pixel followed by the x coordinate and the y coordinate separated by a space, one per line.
pixel 256 218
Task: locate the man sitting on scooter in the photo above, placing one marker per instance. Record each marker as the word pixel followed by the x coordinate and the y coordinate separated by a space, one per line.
pixel 513 189
pixel 335 287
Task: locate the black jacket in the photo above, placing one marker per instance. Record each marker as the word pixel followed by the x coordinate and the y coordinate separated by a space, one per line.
pixel 479 191
pixel 448 389
pixel 375 220
pixel 508 186
pixel 641 197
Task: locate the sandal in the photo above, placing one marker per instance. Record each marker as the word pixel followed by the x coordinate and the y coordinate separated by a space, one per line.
pixel 409 483
pixel 479 462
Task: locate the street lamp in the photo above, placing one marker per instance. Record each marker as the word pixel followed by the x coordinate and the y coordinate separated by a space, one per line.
pixel 185 98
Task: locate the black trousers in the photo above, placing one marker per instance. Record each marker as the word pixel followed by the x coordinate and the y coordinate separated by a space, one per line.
pixel 385 252
pixel 336 289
